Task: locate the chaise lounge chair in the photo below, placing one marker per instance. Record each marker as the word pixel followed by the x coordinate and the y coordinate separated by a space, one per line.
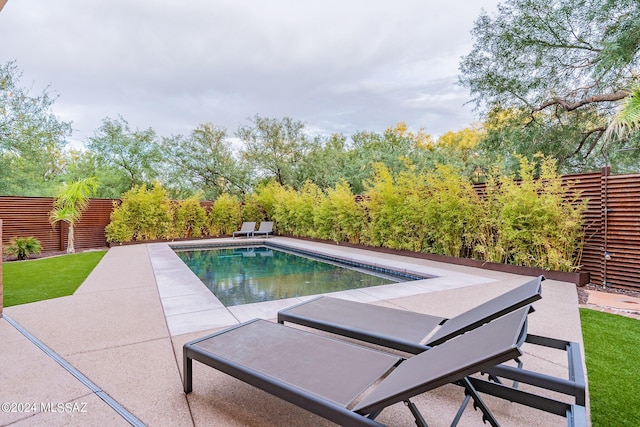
pixel 400 329
pixel 337 380
pixel 415 333
pixel 246 229
pixel 266 228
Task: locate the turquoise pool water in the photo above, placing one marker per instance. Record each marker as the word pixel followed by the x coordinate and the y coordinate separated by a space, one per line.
pixel 256 274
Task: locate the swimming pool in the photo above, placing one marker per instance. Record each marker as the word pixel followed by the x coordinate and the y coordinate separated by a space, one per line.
pixel 243 275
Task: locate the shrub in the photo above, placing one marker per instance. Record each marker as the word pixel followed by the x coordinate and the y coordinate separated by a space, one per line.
pixel 120 229
pixel 421 211
pixel 143 215
pixel 266 195
pixel 283 209
pixel 252 210
pixel 384 206
pixel 225 216
pixel 537 222
pixel 22 247
pixel 302 208
pixel 450 212
pixel 190 218
pixel 338 216
pixel 415 233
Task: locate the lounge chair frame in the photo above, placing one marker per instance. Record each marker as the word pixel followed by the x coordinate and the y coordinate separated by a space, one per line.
pixel 266 228
pixel 409 332
pixel 246 229
pixel 574 386
pixel 451 362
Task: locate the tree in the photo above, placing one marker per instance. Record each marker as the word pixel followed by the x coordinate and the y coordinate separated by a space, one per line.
pixel 32 137
pixel 273 146
pixel 460 149
pixel 324 162
pixel 558 60
pixel 79 164
pixel 136 153
pixel 69 204
pixel 396 148
pixel 203 162
pixel 561 135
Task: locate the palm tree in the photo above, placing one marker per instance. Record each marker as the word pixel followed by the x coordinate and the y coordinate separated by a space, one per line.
pixel 70 202
pixel 22 247
pixel 627 118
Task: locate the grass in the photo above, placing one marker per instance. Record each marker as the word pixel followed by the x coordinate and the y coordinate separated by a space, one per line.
pixel 611 351
pixel 46 278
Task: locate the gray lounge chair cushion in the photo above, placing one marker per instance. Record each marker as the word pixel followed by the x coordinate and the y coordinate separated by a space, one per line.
pixel 326 376
pixel 336 370
pixel 361 318
pixel 400 329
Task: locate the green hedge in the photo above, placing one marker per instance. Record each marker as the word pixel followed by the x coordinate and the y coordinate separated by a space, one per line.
pixel 529 222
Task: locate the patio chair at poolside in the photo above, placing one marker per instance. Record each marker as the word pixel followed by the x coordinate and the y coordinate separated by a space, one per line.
pixel 415 333
pixel 247 229
pixel 338 380
pixel 403 330
pixel 266 228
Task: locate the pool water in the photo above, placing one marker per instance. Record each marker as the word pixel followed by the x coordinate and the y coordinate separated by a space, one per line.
pixel 256 274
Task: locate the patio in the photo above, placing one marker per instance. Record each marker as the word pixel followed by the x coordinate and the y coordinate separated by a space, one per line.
pixel 125 326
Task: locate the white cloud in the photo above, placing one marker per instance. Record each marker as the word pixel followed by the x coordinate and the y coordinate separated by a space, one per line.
pixel 338 66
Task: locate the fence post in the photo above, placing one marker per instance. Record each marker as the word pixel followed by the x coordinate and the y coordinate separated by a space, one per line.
pixel 1 288
pixel 61 223
pixel 604 201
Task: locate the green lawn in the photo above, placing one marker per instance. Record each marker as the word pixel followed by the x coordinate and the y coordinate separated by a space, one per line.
pixel 611 345
pixel 40 279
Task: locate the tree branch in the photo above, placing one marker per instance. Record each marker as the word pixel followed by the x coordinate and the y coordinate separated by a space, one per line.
pixel 570 106
pixel 598 131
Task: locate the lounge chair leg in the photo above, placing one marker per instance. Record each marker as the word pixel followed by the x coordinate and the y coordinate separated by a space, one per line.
pixel 373 415
pixel 519 362
pixel 479 403
pixel 456 420
pixel 187 381
pixel 420 421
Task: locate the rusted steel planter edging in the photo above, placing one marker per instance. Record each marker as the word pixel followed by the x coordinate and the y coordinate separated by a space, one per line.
pixel 578 278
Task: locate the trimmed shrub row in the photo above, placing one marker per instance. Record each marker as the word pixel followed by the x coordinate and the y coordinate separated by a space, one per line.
pixel 529 222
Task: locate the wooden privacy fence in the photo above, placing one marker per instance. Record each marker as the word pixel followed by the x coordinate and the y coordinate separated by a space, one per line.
pixel 611 251
pixel 29 216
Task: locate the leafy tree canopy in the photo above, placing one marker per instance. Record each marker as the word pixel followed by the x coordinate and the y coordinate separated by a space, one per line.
pixel 134 152
pixel 324 162
pixel 32 137
pixel 203 162
pixel 566 59
pixel 273 146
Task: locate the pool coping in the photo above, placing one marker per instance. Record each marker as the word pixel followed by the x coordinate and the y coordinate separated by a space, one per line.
pixel 189 306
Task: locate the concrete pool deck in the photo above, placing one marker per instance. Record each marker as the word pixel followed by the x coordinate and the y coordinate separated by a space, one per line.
pixel 124 329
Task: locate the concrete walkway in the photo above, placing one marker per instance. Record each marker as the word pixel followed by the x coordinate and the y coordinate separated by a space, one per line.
pixel 609 302
pixel 123 332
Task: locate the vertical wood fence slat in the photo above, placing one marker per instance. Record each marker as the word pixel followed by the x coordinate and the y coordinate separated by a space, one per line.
pixel 1 287
pixel 612 225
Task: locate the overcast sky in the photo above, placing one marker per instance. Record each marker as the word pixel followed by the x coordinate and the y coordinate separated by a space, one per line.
pixel 338 66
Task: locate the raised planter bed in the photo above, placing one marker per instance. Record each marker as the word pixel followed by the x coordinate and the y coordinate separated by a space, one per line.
pixel 579 278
